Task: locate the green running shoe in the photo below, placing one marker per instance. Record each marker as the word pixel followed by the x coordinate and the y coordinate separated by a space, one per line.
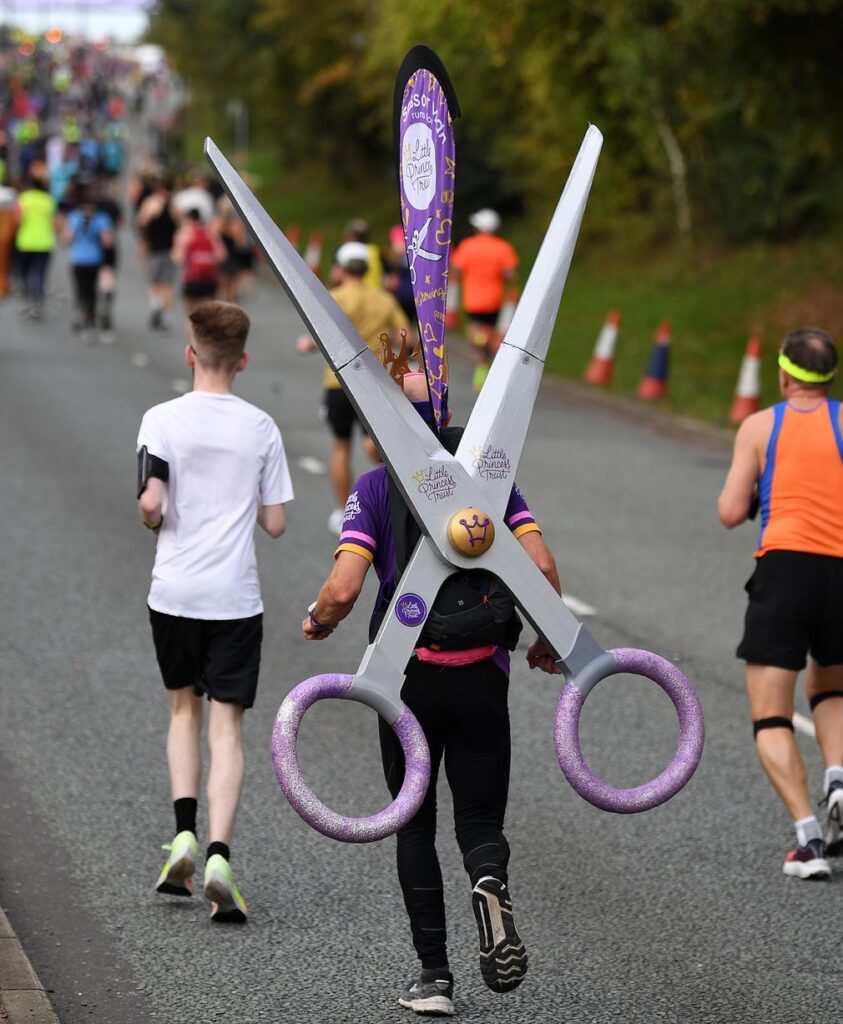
pixel 176 878
pixel 227 905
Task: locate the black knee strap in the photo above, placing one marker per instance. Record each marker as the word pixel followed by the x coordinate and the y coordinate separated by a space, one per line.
pixel 776 722
pixel 820 697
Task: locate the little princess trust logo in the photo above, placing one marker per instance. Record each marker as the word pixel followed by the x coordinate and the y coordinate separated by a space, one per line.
pixel 435 483
pixel 490 462
pixel 410 610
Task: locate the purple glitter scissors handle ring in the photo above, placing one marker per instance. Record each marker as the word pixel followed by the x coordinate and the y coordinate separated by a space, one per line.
pixel 302 798
pixel 691 732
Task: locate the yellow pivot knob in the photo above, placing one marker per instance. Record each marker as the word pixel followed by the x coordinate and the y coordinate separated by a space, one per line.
pixel 471 532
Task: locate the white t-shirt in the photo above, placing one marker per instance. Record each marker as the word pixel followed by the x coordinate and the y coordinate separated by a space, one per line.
pixel 224 455
pixel 194 198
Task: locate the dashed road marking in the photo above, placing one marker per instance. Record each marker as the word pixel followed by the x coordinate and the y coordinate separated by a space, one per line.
pixel 180 385
pixel 804 724
pixel 579 607
pixel 311 465
pixel 139 359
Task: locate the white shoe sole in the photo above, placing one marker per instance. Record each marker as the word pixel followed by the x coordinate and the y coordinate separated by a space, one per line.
pixel 218 893
pixel 834 823
pixel 816 868
pixel 503 958
pixel 433 1006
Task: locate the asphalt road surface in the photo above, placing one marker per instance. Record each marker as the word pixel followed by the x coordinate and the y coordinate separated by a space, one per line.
pixel 679 914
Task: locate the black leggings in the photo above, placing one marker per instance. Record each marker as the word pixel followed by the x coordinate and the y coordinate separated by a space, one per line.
pixel 85 281
pixel 465 716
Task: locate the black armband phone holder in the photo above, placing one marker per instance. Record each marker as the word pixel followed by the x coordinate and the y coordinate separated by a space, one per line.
pixel 150 465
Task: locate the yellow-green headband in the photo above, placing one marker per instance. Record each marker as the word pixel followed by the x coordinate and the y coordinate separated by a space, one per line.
pixel 807 376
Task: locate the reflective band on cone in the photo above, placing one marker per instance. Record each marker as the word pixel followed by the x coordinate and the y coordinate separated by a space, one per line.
pixel 748 392
pixel 653 385
pixel 452 312
pixel 602 363
pixel 313 252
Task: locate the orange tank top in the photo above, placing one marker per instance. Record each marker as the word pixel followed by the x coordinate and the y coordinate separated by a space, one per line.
pixel 801 488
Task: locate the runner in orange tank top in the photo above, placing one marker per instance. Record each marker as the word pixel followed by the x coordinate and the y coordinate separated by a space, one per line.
pixel 788 463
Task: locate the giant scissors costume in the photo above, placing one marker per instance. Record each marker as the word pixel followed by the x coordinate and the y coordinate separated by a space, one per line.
pixel 463 528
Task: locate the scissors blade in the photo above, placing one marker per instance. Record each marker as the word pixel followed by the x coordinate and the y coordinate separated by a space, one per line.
pixel 498 424
pixel 381 672
pixel 561 630
pixel 400 433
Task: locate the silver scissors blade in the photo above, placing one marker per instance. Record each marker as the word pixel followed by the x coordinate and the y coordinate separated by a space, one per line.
pixel 494 436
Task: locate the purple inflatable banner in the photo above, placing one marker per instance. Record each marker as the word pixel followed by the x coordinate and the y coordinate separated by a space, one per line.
pixel 426 169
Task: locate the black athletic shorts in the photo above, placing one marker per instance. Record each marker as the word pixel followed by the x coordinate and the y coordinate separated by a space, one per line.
pixel 199 289
pixel 339 412
pixel 795 603
pixel 217 657
pixel 488 319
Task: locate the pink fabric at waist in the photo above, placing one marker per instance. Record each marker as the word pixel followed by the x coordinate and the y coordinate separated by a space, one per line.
pixel 454 659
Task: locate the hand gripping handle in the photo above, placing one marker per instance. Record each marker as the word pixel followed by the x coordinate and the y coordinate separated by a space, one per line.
pixel 302 798
pixel 691 731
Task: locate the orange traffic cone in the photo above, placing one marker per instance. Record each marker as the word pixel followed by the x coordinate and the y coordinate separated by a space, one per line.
pixel 293 234
pixel 653 384
pixel 602 363
pixel 507 312
pixel 313 251
pixel 748 392
pixel 452 306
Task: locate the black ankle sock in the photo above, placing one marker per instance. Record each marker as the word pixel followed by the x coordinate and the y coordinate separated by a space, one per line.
pixel 185 809
pixel 219 848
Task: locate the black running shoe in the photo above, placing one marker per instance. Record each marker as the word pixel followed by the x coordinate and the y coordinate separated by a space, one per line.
pixel 503 958
pixel 834 819
pixel 808 861
pixel 430 994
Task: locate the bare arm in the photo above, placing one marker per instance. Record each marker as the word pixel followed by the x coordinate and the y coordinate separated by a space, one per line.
pixel 736 497
pixel 539 654
pixel 151 501
pixel 338 594
pixel 272 519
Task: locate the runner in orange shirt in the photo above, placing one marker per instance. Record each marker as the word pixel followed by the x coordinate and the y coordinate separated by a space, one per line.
pixel 484 264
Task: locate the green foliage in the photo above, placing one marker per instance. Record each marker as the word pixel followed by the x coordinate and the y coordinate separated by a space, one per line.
pixel 719 115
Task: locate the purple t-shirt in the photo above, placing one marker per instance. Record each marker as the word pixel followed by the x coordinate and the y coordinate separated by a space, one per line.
pixel 367 531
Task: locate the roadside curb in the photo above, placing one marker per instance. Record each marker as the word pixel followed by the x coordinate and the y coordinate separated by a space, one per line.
pixel 22 996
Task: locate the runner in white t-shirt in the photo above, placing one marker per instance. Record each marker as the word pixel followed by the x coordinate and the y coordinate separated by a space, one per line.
pixel 210 466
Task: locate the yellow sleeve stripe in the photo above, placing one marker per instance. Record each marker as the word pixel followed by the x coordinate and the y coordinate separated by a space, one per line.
pixel 519 531
pixel 355 549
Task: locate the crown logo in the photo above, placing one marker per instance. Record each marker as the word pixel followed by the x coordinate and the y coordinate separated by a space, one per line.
pixel 396 364
pixel 476 530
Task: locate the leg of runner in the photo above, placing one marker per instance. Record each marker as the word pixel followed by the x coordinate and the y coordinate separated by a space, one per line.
pixel 341 479
pixel 771 692
pixel 184 758
pixel 225 782
pixel 825 693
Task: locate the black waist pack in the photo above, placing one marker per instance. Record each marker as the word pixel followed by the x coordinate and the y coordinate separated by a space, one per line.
pixel 472 609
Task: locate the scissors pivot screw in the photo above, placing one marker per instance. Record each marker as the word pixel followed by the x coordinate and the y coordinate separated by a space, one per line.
pixel 471 532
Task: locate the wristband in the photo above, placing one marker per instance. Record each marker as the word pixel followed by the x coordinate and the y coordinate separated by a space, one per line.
pixel 155 527
pixel 321 627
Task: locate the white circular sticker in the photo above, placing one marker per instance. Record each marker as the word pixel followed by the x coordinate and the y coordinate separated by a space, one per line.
pixel 418 167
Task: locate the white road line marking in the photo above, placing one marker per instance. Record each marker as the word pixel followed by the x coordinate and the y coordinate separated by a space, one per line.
pixel 180 385
pixel 311 465
pixel 139 359
pixel 577 606
pixel 804 724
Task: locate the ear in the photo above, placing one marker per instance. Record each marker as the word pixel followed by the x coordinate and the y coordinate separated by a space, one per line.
pixel 241 363
pixel 189 357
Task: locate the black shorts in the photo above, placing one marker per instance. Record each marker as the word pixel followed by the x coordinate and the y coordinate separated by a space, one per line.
pixel 487 319
pixel 339 412
pixel 795 602
pixel 199 289
pixel 217 657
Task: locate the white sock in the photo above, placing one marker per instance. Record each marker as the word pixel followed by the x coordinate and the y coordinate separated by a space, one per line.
pixel 807 829
pixel 834 773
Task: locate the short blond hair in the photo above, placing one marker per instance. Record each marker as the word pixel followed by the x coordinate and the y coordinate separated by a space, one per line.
pixel 219 330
